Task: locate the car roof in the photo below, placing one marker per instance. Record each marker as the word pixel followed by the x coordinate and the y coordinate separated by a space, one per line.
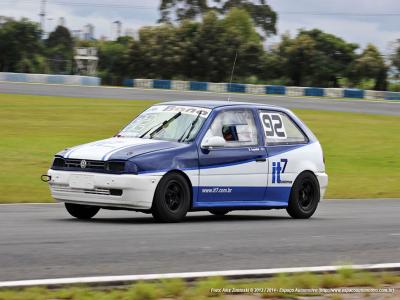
pixel 211 104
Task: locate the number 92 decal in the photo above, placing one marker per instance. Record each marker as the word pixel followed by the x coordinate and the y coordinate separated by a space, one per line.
pixel 273 125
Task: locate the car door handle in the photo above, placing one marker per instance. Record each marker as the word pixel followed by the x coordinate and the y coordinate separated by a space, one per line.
pixel 261 159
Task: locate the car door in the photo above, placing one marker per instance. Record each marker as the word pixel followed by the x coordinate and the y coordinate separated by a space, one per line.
pixel 284 141
pixel 234 174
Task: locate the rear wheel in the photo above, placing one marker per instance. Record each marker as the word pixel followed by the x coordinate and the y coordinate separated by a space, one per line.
pixel 172 199
pixel 83 212
pixel 219 212
pixel 304 196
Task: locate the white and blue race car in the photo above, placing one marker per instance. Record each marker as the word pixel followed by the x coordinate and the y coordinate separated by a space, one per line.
pixel 185 156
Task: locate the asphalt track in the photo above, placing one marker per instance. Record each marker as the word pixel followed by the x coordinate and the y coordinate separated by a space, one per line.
pixel 313 103
pixel 43 241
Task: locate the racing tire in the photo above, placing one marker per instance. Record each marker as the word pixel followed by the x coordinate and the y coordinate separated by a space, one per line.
pixel 304 196
pixel 172 199
pixel 82 212
pixel 219 212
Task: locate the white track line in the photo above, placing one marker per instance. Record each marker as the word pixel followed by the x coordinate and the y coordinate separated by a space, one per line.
pixel 192 275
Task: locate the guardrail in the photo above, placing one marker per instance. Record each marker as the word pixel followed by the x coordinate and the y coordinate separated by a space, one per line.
pixel 50 79
pixel 261 89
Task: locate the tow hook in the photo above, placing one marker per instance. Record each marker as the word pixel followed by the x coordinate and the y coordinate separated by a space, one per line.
pixel 45 178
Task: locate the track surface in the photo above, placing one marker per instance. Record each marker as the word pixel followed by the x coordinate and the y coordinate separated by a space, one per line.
pixel 43 241
pixel 362 106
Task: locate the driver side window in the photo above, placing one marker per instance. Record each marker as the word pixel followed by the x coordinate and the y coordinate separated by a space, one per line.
pixel 236 127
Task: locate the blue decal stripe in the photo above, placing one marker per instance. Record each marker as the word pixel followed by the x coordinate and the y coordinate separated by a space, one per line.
pixel 278 152
pixel 157 171
pixel 241 204
pixel 227 164
pixel 278 193
pixel 201 167
pixel 242 196
pixel 230 193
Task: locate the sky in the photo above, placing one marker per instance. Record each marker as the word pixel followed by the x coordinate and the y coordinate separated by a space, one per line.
pixel 358 21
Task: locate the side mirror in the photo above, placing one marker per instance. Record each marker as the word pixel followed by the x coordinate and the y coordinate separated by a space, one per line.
pixel 214 141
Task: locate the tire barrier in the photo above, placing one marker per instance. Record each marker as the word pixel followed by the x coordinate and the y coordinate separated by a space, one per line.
pixel 316 92
pixel 353 93
pixel 50 79
pixel 259 89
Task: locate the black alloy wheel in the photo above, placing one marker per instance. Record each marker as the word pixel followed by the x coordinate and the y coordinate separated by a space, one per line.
pixel 172 198
pixel 304 196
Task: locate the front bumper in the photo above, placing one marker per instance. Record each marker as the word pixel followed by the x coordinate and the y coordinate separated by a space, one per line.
pixel 323 183
pixel 107 190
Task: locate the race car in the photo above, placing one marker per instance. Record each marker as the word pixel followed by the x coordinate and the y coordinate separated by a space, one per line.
pixel 182 156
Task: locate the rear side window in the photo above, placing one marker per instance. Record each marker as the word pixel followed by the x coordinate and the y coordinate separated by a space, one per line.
pixel 280 129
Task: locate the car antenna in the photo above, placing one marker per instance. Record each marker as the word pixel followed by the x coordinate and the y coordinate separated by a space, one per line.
pixel 233 69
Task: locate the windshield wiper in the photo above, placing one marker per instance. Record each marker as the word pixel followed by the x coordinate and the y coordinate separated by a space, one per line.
pixel 183 137
pixel 161 124
pixel 164 125
pixel 147 131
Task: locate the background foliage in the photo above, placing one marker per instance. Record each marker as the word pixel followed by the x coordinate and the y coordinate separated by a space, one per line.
pixel 198 40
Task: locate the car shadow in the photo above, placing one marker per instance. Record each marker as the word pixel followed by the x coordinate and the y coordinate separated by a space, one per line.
pixel 189 219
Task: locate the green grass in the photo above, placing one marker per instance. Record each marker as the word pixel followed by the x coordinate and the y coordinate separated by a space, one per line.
pixel 361 150
pixel 361 153
pixel 34 128
pixel 208 288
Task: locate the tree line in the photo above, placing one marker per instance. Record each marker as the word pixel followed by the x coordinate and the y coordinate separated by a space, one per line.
pixel 23 50
pixel 204 49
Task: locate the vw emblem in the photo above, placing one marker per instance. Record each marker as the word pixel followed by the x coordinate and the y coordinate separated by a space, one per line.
pixel 83 164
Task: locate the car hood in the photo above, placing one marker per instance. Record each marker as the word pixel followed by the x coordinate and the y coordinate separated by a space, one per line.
pixel 116 148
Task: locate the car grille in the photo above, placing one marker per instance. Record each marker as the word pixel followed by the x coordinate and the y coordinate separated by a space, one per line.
pixel 90 164
pixel 60 163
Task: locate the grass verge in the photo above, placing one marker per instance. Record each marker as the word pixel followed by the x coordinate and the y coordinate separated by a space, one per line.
pixel 361 150
pixel 280 286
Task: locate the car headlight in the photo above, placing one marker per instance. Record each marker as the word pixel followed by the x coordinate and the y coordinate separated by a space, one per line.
pixel 58 163
pixel 115 166
pixel 131 167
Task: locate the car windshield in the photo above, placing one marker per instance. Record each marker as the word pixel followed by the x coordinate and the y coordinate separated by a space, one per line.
pixel 167 122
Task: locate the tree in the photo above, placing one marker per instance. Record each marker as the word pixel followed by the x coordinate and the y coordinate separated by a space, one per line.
pixel 370 66
pixel 242 35
pixel 395 57
pixel 157 53
pixel 213 48
pixel 209 52
pixel 202 51
pixel 60 50
pixel 261 13
pixel 183 9
pixel 21 47
pixel 60 37
pixel 316 58
pixel 114 60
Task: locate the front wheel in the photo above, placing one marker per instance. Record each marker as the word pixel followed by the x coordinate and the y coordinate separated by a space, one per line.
pixel 83 212
pixel 304 196
pixel 172 199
